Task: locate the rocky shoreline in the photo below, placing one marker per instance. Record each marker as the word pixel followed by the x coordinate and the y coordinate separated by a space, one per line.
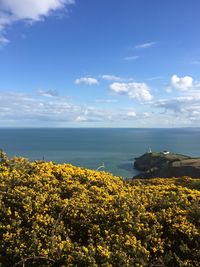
pixel 166 164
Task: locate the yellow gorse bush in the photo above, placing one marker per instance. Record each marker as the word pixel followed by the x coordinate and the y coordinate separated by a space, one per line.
pixel 61 215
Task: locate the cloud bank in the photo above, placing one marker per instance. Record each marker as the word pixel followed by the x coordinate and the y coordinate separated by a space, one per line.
pixel 25 109
pixel 48 108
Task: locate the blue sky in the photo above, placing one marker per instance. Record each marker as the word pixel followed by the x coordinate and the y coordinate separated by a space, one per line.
pixel 99 63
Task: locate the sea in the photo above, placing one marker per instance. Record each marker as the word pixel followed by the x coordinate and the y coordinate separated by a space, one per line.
pixel 110 150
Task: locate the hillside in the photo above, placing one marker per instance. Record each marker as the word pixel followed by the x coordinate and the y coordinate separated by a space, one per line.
pixel 158 164
pixel 61 215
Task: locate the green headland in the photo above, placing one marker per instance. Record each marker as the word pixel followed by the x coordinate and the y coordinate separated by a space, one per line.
pixel 166 164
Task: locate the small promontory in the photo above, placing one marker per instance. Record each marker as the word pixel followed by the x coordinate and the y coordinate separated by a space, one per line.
pixel 166 164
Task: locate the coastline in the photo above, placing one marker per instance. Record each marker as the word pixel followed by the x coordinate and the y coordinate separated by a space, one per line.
pixel 167 164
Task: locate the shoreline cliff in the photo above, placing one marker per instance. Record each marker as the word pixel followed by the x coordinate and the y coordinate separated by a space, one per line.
pixel 166 164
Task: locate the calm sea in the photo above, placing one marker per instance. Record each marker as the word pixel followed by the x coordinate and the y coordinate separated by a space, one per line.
pixel 116 148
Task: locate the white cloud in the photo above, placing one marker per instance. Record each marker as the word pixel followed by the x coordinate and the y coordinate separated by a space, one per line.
pixel 185 105
pixel 27 10
pixel 31 9
pixel 131 114
pixel 139 91
pixel 19 109
pixel 145 45
pixel 22 109
pixel 34 110
pixel 185 108
pixel 86 80
pixel 182 83
pixel 131 58
pixel 111 78
pixel 146 114
pixel 81 119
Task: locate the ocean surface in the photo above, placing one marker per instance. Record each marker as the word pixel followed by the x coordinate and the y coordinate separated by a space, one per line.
pixel 91 147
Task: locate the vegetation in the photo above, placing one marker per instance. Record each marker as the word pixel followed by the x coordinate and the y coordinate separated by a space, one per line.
pixel 61 215
pixel 158 164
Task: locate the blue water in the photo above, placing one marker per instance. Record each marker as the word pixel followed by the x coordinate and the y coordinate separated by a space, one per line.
pixel 117 148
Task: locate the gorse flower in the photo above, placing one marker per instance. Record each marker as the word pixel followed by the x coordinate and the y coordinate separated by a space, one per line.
pixel 61 215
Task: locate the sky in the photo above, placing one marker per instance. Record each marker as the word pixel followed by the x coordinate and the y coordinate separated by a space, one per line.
pixel 100 63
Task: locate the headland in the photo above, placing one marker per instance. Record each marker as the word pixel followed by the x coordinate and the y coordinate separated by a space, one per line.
pixel 166 164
